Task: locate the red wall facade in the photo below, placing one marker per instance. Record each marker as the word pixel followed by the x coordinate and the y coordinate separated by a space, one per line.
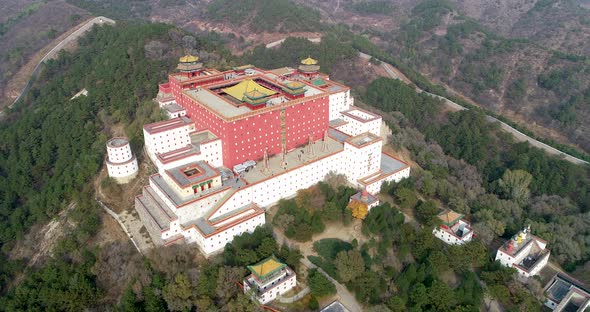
pixel 247 138
pixel 305 118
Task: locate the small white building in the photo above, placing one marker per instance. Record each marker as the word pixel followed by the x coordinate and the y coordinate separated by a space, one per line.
pixel 524 252
pixel 121 163
pixel 566 294
pixel 174 110
pixel 453 230
pixel 269 279
pixel 365 198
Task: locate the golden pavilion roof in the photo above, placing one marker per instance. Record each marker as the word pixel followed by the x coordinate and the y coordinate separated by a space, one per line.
pixel 189 59
pixel 267 266
pixel 309 61
pixel 248 88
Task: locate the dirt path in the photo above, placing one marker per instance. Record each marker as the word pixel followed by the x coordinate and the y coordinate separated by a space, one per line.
pixel 340 232
pixel 346 298
pixel 345 233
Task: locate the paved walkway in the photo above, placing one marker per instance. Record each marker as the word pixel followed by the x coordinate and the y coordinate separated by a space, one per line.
pixel 519 136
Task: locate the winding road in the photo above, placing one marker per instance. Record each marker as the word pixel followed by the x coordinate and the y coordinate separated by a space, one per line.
pixel 100 20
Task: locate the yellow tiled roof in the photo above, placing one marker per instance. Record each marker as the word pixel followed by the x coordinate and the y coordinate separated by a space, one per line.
pixel 189 59
pixel 266 267
pixel 309 61
pixel 247 87
pixel 295 85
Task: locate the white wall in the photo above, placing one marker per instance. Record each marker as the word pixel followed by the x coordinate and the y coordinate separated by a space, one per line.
pixel 451 239
pixel 270 191
pixel 122 170
pixel 165 101
pixel 194 210
pixel 180 113
pixel 339 102
pixel 271 293
pixel 218 241
pixel 504 258
pixel 212 153
pixel 166 141
pixel 279 289
pixel 177 163
pixel 119 154
pixel 363 161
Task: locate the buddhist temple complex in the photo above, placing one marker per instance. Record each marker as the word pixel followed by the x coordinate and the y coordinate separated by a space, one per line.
pixel 240 140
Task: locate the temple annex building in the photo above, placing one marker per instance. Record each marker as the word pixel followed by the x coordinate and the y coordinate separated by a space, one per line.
pixel 238 141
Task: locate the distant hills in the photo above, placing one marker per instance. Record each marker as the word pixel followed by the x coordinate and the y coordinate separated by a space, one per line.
pixel 527 60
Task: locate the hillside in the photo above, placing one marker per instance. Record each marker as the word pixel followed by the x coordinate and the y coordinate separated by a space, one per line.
pixel 26 26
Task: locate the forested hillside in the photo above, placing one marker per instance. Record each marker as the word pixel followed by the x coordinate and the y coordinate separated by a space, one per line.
pixel 266 15
pixel 524 60
pixel 51 147
pixel 477 173
pixel 516 77
pixel 329 52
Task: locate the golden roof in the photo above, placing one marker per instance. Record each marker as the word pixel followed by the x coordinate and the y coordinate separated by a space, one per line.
pixel 309 61
pixel 247 87
pixel 295 85
pixel 266 267
pixel 449 216
pixel 189 59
